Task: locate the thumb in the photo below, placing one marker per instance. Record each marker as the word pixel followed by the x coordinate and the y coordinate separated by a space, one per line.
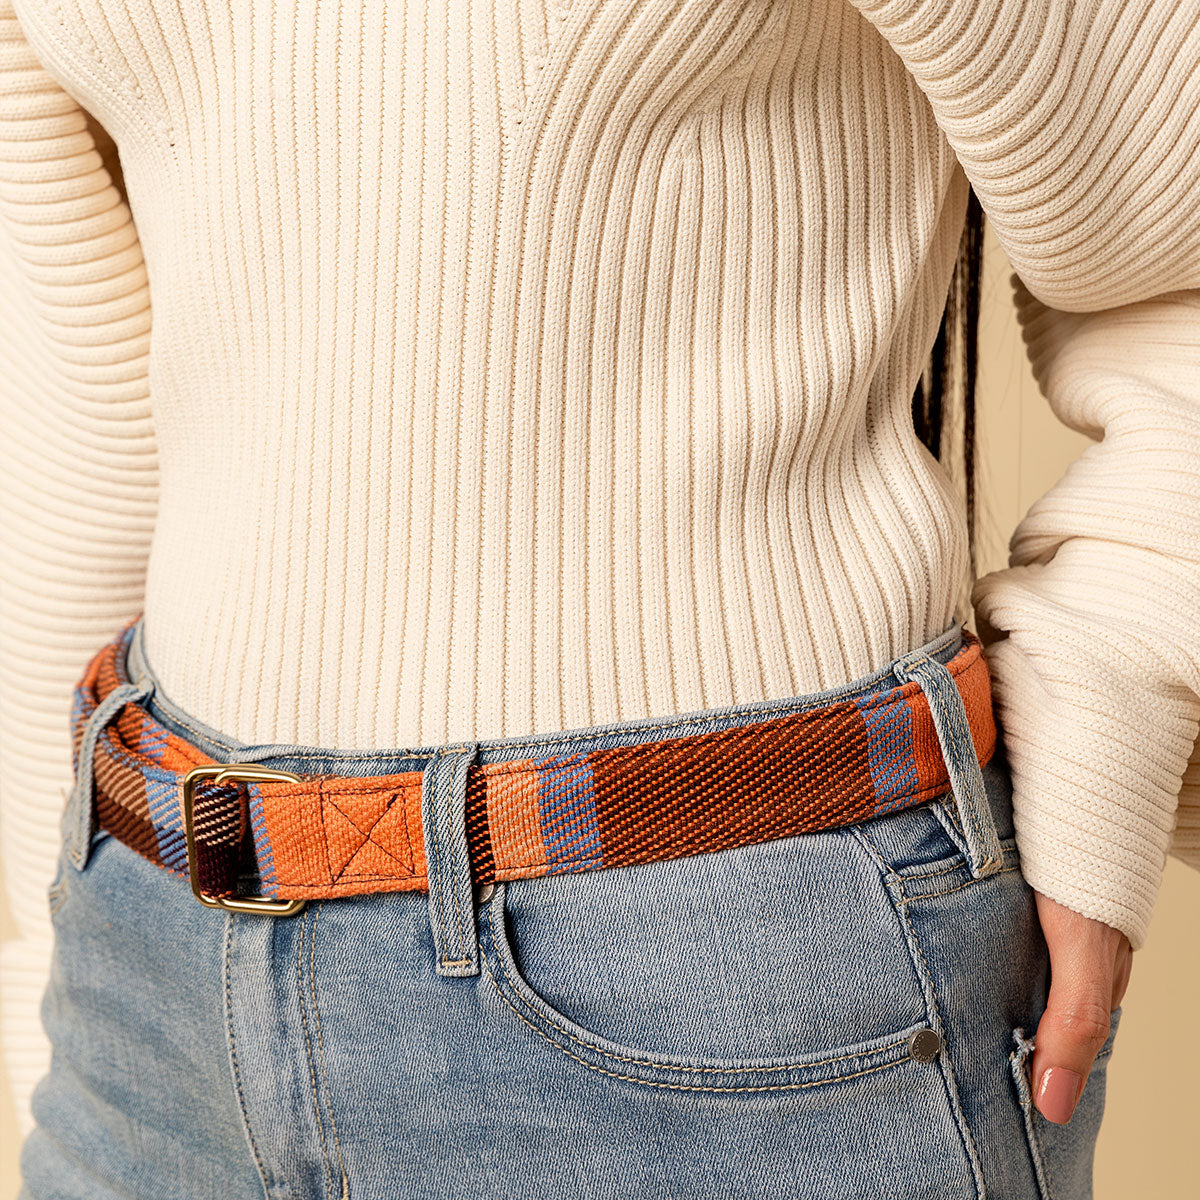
pixel 1075 1024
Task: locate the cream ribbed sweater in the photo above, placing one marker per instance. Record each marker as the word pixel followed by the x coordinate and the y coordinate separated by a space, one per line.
pixel 520 364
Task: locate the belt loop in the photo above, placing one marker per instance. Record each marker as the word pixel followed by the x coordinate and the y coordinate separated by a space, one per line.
pixel 451 894
pixel 958 751
pixel 79 816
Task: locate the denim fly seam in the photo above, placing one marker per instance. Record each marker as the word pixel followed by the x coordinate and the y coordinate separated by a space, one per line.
pixel 447 864
pixel 962 763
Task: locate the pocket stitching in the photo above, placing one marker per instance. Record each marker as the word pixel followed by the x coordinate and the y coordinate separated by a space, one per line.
pixel 686 1087
pixel 934 1008
pixel 959 886
pixel 1036 1152
pixel 1007 845
pixel 647 1062
pixel 1024 1089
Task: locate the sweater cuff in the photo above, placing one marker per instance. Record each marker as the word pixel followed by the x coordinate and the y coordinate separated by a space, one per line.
pixel 1098 735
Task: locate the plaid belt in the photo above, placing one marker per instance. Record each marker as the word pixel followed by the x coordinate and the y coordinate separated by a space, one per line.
pixel 322 835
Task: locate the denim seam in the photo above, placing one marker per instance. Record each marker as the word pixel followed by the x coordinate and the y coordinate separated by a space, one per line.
pixel 646 1062
pixel 1033 1142
pixel 57 895
pixel 237 1073
pixel 948 811
pixel 947 1070
pixel 857 832
pixel 813 704
pixel 894 884
pixel 437 854
pixel 960 886
pixel 1036 1149
pixel 462 937
pixel 312 982
pixel 437 861
pixel 900 879
pixel 751 727
pixel 312 1070
pixel 178 718
pixel 686 1087
pixel 1006 844
pixel 958 866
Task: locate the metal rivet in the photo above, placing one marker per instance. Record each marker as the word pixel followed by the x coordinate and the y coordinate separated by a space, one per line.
pixel 485 892
pixel 924 1045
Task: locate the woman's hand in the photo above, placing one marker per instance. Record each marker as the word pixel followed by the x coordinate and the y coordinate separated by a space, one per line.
pixel 1089 971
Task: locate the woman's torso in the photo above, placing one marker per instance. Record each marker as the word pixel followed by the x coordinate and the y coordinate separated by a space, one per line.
pixel 519 367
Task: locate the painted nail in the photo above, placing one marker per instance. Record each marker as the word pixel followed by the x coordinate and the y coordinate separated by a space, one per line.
pixel 1058 1094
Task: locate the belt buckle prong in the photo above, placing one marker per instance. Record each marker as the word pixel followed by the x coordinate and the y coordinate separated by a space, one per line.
pixel 225 773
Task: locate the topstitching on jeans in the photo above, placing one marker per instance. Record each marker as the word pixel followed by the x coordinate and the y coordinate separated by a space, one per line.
pixel 312 1074
pixel 648 1062
pixel 237 1073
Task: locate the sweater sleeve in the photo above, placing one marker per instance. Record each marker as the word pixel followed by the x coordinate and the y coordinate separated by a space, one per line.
pixel 1093 629
pixel 1078 125
pixel 78 480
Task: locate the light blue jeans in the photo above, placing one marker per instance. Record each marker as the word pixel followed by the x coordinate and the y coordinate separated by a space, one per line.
pixel 732 1024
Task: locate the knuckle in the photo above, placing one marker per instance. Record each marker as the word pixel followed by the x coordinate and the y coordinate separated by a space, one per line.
pixel 1085 1022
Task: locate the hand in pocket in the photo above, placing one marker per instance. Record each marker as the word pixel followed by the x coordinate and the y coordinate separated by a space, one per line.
pixel 1090 963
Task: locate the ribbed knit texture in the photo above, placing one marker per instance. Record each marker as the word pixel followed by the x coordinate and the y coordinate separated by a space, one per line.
pixel 524 365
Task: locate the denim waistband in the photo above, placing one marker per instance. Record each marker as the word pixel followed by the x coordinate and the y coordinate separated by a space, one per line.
pixel 884 748
pixel 389 760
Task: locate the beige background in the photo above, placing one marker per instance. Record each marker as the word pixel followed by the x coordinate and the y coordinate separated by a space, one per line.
pixel 1147 1143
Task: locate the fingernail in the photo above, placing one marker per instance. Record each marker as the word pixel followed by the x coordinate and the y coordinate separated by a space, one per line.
pixel 1058 1094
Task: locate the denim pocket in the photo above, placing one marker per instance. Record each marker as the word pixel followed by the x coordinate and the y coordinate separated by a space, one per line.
pixel 769 988
pixel 1063 1154
pixel 783 961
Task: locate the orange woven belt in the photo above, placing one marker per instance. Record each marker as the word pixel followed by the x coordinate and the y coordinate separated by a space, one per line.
pixel 325 835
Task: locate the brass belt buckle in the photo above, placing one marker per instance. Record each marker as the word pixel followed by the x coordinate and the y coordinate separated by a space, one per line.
pixel 239 773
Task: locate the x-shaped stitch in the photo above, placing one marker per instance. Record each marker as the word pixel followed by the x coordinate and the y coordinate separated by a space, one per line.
pixel 406 868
